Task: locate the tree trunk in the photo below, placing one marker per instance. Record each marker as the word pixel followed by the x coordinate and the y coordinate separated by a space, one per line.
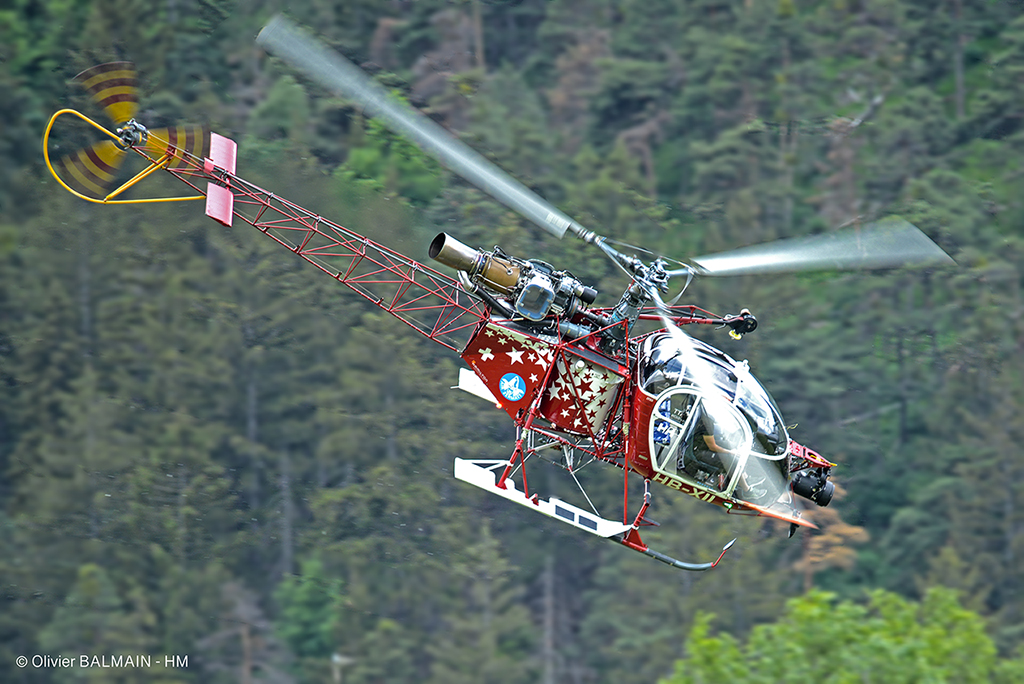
pixel 901 437
pixel 478 35
pixel 181 539
pixel 287 513
pixel 85 283
pixel 246 654
pixel 805 542
pixel 85 306
pixel 959 42
pixel 391 439
pixel 548 647
pixel 251 434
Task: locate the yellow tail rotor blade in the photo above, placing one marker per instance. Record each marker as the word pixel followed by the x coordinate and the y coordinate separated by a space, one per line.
pixel 92 171
pixel 192 139
pixel 115 87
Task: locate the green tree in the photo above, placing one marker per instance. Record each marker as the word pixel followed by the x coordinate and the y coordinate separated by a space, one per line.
pixel 392 164
pixel 96 620
pixel 310 604
pixel 889 639
pixel 640 622
pixel 489 636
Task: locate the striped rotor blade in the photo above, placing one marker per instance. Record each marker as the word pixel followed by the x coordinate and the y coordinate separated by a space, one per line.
pixel 92 171
pixel 115 86
pixel 195 140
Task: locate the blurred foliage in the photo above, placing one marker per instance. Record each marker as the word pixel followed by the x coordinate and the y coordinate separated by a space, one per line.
pixel 889 639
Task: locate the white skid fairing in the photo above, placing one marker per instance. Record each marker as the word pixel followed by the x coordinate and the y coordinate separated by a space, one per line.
pixel 481 473
pixel 471 382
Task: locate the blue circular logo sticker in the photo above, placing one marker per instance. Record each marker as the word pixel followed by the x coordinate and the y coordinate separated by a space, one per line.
pixel 512 386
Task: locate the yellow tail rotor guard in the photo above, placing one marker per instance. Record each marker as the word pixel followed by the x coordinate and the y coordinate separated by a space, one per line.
pixel 166 159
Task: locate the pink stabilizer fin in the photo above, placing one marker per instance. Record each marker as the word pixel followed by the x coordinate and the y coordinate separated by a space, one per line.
pixel 220 203
pixel 223 152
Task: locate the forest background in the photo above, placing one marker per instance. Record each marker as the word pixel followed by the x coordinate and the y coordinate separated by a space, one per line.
pixel 208 449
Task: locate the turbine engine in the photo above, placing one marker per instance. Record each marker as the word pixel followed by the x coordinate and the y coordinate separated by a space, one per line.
pixel 534 288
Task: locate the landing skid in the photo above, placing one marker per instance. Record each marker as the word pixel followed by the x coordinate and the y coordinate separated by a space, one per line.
pixel 483 473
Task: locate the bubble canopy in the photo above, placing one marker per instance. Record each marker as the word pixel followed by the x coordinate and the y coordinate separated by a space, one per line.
pixel 714 423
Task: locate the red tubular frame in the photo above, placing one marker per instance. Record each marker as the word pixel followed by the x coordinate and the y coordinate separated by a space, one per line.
pixel 430 302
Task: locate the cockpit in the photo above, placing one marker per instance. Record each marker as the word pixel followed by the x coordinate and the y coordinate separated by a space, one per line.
pixel 714 424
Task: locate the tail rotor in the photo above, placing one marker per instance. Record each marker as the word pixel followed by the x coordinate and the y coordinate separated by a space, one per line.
pixel 92 171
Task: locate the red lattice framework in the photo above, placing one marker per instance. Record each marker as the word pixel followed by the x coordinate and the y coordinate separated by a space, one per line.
pixel 430 302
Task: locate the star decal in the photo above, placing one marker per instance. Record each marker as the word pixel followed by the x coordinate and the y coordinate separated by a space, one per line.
pixel 516 356
pixel 533 378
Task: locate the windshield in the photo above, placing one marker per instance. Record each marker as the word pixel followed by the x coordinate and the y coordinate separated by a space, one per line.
pixel 759 407
pixel 663 366
pixel 666 363
pixel 708 440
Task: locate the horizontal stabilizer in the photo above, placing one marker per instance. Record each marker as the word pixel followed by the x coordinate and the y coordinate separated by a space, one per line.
pixel 223 152
pixel 220 203
pixel 480 473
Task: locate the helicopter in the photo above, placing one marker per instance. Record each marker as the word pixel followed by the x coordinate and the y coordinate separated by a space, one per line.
pixel 578 381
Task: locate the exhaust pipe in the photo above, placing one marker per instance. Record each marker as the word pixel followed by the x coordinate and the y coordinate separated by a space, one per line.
pixel 497 273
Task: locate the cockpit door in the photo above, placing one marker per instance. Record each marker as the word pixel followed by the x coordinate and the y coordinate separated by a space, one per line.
pixel 698 438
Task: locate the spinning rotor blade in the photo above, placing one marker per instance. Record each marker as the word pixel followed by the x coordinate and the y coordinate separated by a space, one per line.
pixel 888 243
pixel 115 87
pixel 334 72
pixel 192 139
pixel 703 378
pixel 91 171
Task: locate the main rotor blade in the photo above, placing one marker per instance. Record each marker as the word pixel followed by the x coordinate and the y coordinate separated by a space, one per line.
pixel 700 371
pixel 334 72
pixel 888 243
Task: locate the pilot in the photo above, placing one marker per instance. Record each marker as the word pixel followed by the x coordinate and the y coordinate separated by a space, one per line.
pixel 713 447
pixel 707 444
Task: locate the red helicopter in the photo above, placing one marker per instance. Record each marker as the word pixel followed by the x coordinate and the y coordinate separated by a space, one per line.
pixel 577 382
